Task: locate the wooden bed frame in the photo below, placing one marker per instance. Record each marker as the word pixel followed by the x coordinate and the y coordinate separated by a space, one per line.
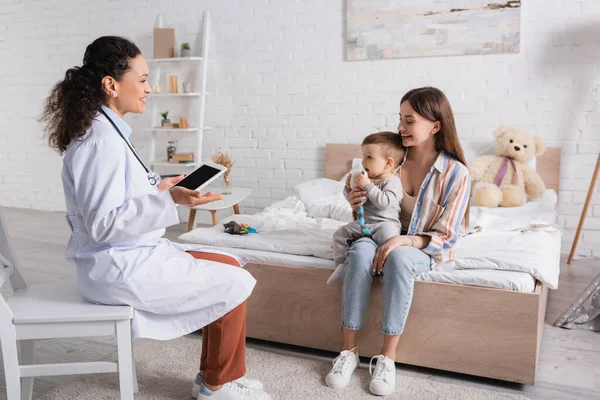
pixel 487 332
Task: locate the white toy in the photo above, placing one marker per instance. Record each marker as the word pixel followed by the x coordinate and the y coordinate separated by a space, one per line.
pixel 360 211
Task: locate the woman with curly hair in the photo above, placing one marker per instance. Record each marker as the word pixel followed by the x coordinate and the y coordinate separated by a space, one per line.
pixel 118 211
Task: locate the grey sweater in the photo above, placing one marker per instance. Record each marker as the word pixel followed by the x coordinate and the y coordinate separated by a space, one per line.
pixel 383 200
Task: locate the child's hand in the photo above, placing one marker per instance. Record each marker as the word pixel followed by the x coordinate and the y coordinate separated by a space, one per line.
pixel 348 182
pixel 362 181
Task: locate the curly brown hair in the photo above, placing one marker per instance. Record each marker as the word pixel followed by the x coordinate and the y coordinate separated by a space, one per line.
pixel 74 102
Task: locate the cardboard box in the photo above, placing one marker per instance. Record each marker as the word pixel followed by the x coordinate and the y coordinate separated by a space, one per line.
pixel 182 157
pixel 164 42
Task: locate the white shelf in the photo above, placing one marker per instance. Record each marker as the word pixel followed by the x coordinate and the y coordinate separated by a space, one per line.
pixel 170 164
pixel 174 59
pixel 196 94
pixel 195 71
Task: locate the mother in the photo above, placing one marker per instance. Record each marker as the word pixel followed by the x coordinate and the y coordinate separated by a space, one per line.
pixel 436 186
pixel 118 212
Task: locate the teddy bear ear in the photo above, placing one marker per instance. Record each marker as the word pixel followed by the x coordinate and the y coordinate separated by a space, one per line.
pixel 540 147
pixel 501 131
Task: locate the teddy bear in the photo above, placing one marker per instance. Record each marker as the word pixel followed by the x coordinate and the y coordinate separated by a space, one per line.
pixel 505 179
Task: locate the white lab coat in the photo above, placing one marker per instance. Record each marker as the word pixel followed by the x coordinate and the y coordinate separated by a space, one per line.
pixel 118 219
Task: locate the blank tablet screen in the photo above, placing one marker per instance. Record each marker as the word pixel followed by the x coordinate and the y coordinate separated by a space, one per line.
pixel 199 177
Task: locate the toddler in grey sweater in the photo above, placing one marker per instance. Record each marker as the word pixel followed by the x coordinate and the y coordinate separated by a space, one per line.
pixel 382 155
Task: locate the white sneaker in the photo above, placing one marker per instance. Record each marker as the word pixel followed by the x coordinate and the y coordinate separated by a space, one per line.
pixel 383 379
pixel 232 391
pixel 254 384
pixel 250 383
pixel 343 367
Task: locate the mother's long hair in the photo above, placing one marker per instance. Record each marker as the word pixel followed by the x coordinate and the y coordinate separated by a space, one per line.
pixel 74 102
pixel 433 105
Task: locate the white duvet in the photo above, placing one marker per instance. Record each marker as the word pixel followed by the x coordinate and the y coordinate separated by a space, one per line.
pixel 524 239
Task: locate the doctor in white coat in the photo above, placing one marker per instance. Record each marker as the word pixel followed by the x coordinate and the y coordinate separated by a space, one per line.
pixel 118 211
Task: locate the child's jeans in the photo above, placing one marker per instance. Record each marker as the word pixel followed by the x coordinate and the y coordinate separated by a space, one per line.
pixel 382 232
pixel 401 268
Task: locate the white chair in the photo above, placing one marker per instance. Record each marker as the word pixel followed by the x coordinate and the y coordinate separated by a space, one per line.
pixel 55 310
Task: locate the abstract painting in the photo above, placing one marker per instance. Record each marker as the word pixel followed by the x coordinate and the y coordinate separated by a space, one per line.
pixel 383 29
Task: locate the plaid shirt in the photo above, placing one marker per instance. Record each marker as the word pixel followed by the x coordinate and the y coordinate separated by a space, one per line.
pixel 440 206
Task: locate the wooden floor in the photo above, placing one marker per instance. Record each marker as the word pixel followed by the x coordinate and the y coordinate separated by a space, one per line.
pixel 569 365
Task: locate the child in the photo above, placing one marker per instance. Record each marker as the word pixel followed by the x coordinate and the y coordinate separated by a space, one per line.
pixel 382 154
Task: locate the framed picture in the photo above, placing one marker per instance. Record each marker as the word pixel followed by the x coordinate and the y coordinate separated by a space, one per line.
pixel 383 29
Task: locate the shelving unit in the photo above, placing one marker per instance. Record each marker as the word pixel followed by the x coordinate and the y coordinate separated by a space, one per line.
pixel 194 102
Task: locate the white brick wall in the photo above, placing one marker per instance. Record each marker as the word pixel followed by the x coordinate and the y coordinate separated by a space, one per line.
pixel 280 89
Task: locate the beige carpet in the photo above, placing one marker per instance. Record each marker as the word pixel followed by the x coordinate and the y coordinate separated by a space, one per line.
pixel 166 371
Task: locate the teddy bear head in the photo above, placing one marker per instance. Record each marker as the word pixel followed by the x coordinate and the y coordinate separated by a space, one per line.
pixel 518 144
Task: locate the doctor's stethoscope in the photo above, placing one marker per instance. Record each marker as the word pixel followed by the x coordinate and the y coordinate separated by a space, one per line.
pixel 153 178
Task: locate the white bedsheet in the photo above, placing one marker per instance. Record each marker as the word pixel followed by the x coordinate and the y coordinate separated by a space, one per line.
pixel 284 227
pixel 523 239
pixel 509 280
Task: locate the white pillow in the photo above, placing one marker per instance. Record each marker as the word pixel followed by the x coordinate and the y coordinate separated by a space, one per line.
pixel 324 198
pixel 313 190
pixel 334 207
pixel 474 150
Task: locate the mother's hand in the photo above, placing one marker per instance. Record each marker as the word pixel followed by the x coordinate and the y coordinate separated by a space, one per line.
pixel 192 198
pixel 384 251
pixel 357 197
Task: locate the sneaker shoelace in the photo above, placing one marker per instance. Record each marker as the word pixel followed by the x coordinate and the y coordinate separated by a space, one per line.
pixel 341 363
pixel 239 388
pixel 381 368
pixel 241 381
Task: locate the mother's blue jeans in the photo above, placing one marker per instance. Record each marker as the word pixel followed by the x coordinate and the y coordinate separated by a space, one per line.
pixel 401 268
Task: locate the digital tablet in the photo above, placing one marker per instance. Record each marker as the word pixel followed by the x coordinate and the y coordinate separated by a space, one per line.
pixel 202 176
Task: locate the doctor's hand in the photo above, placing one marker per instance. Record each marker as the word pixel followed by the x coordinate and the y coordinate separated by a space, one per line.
pixel 192 198
pixel 167 183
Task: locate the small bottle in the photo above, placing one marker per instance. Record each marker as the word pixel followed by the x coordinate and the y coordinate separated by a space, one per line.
pixel 171 149
pixel 159 22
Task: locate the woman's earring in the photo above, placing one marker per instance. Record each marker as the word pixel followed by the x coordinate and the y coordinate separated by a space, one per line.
pixel 114 94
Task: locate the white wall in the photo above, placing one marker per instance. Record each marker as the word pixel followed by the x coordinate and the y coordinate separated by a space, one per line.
pixel 281 89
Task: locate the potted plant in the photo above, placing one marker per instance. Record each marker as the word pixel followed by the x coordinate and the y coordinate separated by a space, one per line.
pixel 185 50
pixel 165 120
pixel 224 159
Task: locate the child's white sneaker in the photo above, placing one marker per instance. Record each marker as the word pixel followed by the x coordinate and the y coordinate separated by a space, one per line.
pixel 254 384
pixel 232 391
pixel 343 367
pixel 383 379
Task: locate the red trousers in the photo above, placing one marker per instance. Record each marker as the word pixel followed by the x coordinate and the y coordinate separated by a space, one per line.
pixel 223 357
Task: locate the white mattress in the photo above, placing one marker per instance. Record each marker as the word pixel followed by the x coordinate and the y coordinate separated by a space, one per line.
pixel 507 248
pixel 510 280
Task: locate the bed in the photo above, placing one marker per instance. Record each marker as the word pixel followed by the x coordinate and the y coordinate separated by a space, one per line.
pixel 485 331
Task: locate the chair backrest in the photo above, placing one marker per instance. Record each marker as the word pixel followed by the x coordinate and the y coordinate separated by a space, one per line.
pixel 6 316
pixel 7 252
